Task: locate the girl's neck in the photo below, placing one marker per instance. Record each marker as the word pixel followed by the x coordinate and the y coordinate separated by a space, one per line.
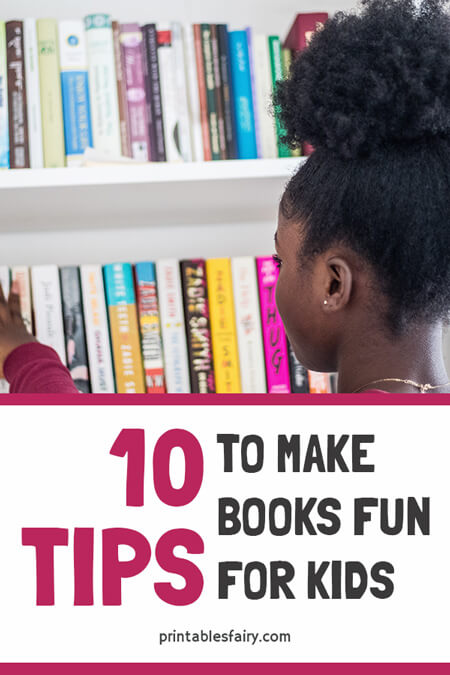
pixel 365 359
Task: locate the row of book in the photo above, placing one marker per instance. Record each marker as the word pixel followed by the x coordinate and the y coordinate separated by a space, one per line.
pixel 157 92
pixel 200 326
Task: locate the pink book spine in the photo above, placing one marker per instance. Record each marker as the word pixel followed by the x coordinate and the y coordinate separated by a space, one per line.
pixel 132 59
pixel 274 337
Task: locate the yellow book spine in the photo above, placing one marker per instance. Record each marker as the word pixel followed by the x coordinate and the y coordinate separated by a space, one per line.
pixel 126 349
pixel 223 326
pixel 50 87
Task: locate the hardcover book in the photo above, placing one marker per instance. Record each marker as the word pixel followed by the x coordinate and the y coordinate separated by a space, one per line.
pixel 251 62
pixel 242 95
pixel 124 328
pixel 277 74
pixel 275 345
pixel 223 326
pixel 150 326
pixel 75 336
pixel 182 105
pixel 153 93
pixel 4 124
pixel 227 92
pixel 196 313
pixel 48 320
pixel 218 92
pixel 51 102
pixel 75 90
pixel 210 84
pixel 166 61
pixel 193 94
pixel 20 275
pixel 97 330
pixel 299 374
pixel 176 366
pixel 121 93
pixel 264 87
pixel 319 383
pixel 33 94
pixel 303 28
pixel 19 157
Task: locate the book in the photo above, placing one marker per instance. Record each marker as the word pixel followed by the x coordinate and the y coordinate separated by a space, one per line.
pixel 251 62
pixel 218 92
pixel 263 86
pixel 153 93
pixel 47 308
pixel 248 325
pixel 182 105
pixel 20 275
pixel 124 329
pixel 210 85
pixel 223 326
pixel 19 157
pixel 31 58
pixel 176 366
pixel 150 326
pixel 193 94
pixel 121 93
pixel 275 345
pixel 204 117
pixel 103 84
pixel 277 74
pixel 198 331
pixel 5 284
pixel 132 57
pixel 227 93
pixel 166 61
pixel 97 330
pixel 286 62
pixel 50 88
pixel 75 336
pixel 242 95
pixel 303 28
pixel 319 383
pixel 4 124
pixel 299 374
pixel 75 90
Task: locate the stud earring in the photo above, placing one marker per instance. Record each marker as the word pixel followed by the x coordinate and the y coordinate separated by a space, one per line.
pixel 325 302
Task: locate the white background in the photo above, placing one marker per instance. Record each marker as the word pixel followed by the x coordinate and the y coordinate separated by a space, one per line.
pixel 56 471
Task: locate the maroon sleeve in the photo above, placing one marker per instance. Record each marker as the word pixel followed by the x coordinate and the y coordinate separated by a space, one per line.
pixel 34 368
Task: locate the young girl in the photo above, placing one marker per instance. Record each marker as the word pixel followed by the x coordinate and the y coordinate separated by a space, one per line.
pixel 363 238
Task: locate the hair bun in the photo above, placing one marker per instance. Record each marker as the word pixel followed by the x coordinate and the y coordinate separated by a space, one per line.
pixel 371 79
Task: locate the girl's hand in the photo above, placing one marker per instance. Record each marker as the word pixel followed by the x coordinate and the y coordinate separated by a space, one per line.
pixel 13 331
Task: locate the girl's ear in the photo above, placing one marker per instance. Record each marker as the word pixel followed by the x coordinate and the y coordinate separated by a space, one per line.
pixel 338 283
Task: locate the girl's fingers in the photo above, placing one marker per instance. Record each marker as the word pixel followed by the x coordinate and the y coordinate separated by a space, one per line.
pixel 2 296
pixel 14 305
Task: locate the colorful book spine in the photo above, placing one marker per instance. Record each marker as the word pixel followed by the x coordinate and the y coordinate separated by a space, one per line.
pixel 196 313
pixel 263 80
pixel 48 320
pixel 148 310
pixel 33 94
pixel 299 374
pixel 223 326
pixel 5 284
pixel 204 118
pixel 277 74
pixel 193 97
pixel 176 366
pixel 19 156
pixel 166 63
pixel 182 105
pixel 227 93
pixel 210 84
pixel 51 102
pixel 286 59
pixel 4 124
pixel 218 92
pixel 275 345
pixel 133 71
pixel 20 277
pixel 123 323
pixel 97 330
pixel 251 61
pixel 121 93
pixel 75 90
pixel 303 28
pixel 319 383
pixel 248 324
pixel 103 84
pixel 243 96
pixel 153 93
pixel 74 331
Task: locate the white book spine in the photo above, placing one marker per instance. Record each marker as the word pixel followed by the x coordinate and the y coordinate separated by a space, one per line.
pixel 248 325
pixel 97 331
pixel 48 318
pixel 103 84
pixel 263 85
pixel 33 92
pixel 192 90
pixel 21 277
pixel 4 281
pixel 166 62
pixel 176 365
pixel 181 91
pixel 4 130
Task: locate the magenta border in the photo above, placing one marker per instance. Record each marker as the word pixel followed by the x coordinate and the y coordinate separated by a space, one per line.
pixel 225 399
pixel 224 668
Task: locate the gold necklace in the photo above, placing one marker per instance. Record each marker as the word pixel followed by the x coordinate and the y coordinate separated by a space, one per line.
pixel 423 387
